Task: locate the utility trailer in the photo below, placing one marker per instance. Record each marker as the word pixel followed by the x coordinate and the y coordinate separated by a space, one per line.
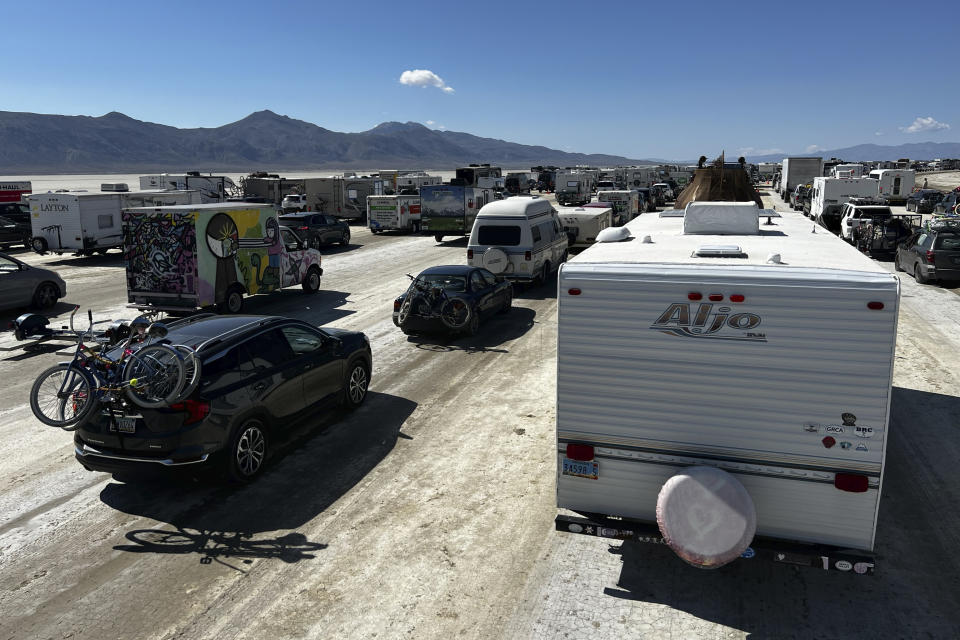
pixel 14 191
pixel 723 386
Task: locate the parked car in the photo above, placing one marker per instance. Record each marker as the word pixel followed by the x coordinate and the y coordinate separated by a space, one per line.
pixel 949 203
pixel 22 285
pixel 317 228
pixel 924 200
pixel 294 202
pixel 932 253
pixel 453 298
pixel 853 215
pixel 260 376
pixel 12 233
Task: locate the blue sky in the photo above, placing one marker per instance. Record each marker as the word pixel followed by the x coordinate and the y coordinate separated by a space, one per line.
pixel 666 80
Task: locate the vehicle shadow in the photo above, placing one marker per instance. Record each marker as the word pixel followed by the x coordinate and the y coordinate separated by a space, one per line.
pixel 917 536
pixel 335 249
pixel 545 291
pixel 320 308
pixel 460 241
pixel 112 259
pixel 60 308
pixel 493 332
pixel 312 467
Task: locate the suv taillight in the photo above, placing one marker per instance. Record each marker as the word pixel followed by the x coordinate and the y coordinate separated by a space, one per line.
pixel 930 256
pixel 469 254
pixel 196 410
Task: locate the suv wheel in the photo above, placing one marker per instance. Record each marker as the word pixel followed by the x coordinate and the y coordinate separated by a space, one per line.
pixel 356 384
pixel 248 451
pixel 918 275
pixel 345 238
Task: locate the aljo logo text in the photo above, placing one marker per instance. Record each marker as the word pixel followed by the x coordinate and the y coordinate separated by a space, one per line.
pixel 707 321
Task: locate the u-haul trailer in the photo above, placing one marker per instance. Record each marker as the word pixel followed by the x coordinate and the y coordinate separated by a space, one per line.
pixel 14 191
pixel 723 386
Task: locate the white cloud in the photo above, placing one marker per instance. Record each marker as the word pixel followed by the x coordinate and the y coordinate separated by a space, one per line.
pixel 878 133
pixel 925 124
pixel 424 78
pixel 430 123
pixel 755 151
pixel 813 148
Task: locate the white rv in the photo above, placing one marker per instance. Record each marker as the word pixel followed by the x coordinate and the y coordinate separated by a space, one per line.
pixel 853 170
pixel 519 238
pixel 584 224
pixel 704 344
pixel 829 194
pixel 386 213
pixel 212 188
pixel 894 185
pixel 625 204
pixel 89 222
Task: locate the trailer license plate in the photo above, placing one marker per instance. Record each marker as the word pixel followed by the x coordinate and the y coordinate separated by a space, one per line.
pixel 581 469
pixel 126 425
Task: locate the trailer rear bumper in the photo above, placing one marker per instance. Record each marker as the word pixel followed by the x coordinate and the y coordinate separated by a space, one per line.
pixel 816 556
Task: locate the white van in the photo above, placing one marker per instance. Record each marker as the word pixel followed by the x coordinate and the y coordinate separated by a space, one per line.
pixel 519 238
pixel 583 224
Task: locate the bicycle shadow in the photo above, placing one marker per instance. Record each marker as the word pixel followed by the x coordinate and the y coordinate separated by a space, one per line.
pixel 312 467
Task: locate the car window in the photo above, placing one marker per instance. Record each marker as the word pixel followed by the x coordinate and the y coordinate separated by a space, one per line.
pixel 6 264
pixel 454 284
pixel 948 241
pixel 289 239
pixel 489 277
pixel 268 349
pixel 477 282
pixel 536 234
pixel 302 340
pixel 925 241
pixel 507 236
pixel 222 363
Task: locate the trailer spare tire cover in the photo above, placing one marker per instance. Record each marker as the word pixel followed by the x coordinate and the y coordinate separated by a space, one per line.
pixel 706 516
pixel 495 260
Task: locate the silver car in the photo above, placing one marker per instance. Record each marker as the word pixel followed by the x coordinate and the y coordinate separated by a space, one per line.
pixel 22 285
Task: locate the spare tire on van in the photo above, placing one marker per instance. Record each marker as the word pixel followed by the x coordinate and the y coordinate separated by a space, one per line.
pixel 495 260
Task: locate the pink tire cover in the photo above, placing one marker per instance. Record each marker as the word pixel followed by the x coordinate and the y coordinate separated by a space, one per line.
pixel 706 516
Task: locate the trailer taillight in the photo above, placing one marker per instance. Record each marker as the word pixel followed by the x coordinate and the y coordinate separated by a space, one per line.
pixel 737 298
pixel 694 296
pixel 715 297
pixel 582 452
pixel 574 291
pixel 876 306
pixel 852 482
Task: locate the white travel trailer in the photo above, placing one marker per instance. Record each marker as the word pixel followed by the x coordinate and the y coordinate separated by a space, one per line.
pixel 519 238
pixel 625 204
pixel 853 170
pixel 704 346
pixel 829 194
pixel 584 224
pixel 894 185
pixel 89 222
pixel 386 213
pixel 416 180
pixel 212 188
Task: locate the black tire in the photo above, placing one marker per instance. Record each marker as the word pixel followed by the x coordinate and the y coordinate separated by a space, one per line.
pixel 416 229
pixel 544 276
pixel 247 452
pixel 163 367
pixel 918 275
pixel 39 245
pixel 311 283
pixel 896 263
pixel 59 387
pixel 46 295
pixel 438 237
pixel 356 384
pixel 345 238
pixel 473 326
pixel 509 303
pixel 232 301
pixel 456 314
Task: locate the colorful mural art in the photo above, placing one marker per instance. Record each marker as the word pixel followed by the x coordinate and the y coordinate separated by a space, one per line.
pixel 200 254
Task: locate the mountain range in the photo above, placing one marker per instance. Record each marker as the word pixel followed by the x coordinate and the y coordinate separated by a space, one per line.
pixel 264 140
pixel 864 152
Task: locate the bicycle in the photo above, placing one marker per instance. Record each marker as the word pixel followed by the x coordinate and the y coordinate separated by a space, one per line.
pixel 151 376
pixel 434 302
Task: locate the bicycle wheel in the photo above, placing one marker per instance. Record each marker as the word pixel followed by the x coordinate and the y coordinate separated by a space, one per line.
pixel 191 370
pixel 154 376
pixel 63 396
pixel 455 313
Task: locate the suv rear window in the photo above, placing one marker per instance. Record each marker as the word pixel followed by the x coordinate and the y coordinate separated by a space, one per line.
pixel 948 241
pixel 496 235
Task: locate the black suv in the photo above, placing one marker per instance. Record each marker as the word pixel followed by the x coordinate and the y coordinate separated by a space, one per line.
pixel 317 228
pixel 14 224
pixel 924 200
pixel 259 376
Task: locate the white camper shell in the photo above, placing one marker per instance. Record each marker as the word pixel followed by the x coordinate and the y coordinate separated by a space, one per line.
pixel 519 238
pixel 584 224
pixel 393 213
pixel 625 204
pixel 89 222
pixel 829 194
pixel 766 355
pixel 894 185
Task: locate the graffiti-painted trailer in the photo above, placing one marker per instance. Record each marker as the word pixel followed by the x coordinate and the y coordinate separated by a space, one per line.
pixel 726 390
pixel 196 256
pixel 449 210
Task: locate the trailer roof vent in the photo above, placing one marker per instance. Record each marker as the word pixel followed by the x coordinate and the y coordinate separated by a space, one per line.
pixel 614 234
pixel 719 251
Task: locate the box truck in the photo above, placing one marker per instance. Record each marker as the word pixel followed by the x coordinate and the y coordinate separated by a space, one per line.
pixel 450 209
pixel 829 194
pixel 798 171
pixel 386 213
pixel 189 257
pixel 724 389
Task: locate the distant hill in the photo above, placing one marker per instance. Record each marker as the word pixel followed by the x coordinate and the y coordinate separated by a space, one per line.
pixel 39 143
pixel 863 152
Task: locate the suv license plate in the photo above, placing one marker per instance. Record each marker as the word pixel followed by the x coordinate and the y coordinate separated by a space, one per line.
pixel 581 469
pixel 126 425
